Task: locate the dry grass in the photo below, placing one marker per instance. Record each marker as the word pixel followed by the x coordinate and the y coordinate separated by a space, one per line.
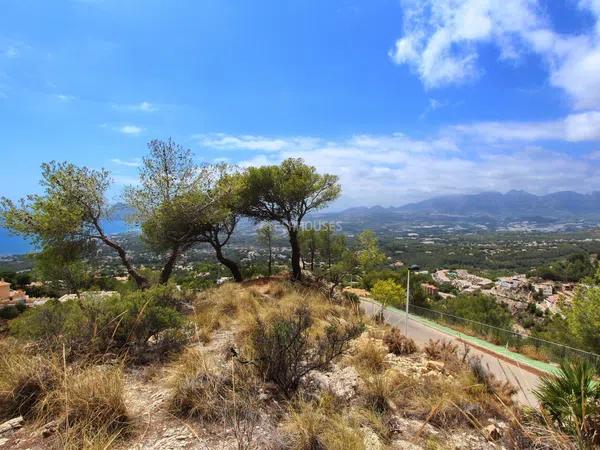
pixel 318 425
pixel 369 355
pixel 197 387
pixel 89 407
pixel 24 382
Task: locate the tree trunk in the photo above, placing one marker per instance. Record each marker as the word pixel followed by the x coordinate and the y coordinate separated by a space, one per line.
pixel 270 258
pixel 140 281
pixel 231 265
pixel 296 269
pixel 165 274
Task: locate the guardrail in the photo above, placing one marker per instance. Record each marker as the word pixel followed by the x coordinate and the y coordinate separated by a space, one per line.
pixel 528 345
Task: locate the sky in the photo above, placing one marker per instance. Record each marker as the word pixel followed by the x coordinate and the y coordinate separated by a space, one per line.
pixel 402 99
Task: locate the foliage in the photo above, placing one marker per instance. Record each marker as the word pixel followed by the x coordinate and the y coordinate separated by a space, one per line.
pixel 70 211
pixel 572 398
pixel 368 253
pixel 98 325
pixel 389 293
pixel 479 308
pixel 574 268
pixel 583 318
pixel 284 350
pixel 285 193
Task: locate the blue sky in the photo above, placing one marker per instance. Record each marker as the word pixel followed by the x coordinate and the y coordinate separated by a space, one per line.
pixel 403 99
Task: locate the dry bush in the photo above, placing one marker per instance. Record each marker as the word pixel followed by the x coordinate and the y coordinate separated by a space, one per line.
pixel 197 387
pixel 285 344
pixel 369 355
pixel 441 350
pixel 399 344
pixel 24 381
pixel 318 426
pixel 277 289
pixel 202 388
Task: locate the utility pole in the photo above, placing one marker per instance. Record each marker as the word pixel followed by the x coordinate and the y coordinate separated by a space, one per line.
pixel 407 297
pixel 414 267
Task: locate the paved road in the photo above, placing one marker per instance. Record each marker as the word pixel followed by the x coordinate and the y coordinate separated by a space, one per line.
pixel 523 379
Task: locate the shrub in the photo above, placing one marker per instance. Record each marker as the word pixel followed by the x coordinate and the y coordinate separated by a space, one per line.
pixel 441 350
pixel 286 346
pixel 99 325
pixel 24 382
pixel 399 344
pixel 572 398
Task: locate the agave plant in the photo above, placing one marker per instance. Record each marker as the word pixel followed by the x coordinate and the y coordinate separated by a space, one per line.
pixel 572 399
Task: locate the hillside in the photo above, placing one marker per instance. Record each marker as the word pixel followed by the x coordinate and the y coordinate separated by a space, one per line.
pixel 264 365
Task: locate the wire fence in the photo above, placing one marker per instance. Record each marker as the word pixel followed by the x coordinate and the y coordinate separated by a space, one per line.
pixel 533 347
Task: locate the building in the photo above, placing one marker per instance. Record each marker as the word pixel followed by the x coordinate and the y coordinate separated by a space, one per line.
pixel 10 297
pixel 430 289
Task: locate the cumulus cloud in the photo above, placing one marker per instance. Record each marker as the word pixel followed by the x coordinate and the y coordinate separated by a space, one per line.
pixel 394 169
pixel 442 40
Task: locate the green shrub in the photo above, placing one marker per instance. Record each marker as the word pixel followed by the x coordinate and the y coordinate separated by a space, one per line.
pixel 98 325
pixel 572 398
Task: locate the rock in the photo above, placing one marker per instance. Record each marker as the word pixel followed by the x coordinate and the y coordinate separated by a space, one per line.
pixel 492 432
pixel 401 444
pixel 49 429
pixel 342 383
pixel 12 424
pixel 371 441
pixel 435 365
pixel 3 441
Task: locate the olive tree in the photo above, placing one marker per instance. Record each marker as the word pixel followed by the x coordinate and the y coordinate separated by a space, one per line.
pixel 286 193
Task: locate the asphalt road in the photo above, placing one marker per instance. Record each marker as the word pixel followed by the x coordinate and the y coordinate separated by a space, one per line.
pixel 524 380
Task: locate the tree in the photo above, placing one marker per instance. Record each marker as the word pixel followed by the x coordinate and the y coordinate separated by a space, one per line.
pixel 71 210
pixel 583 318
pixel 369 255
pixel 265 237
pixel 331 245
pixel 308 245
pixel 285 193
pixel 388 292
pixel 170 201
pixel 64 267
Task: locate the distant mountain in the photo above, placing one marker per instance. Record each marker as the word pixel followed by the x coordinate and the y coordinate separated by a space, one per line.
pixel 512 204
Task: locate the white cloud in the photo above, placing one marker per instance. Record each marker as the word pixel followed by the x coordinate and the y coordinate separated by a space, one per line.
pixel 442 39
pixel 136 162
pixel 576 127
pixel 222 141
pixel 144 106
pixel 395 169
pixel 65 98
pixel 130 129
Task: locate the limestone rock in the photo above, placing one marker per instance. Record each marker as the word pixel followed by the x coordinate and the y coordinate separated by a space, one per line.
pixel 12 424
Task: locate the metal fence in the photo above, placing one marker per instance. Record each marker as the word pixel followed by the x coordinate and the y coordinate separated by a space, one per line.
pixel 528 345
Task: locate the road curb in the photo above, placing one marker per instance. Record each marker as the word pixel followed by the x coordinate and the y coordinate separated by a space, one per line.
pixel 521 361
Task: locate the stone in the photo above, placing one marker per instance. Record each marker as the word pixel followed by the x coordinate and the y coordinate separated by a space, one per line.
pixel 435 365
pixel 492 432
pixel 371 441
pixel 12 424
pixel 49 429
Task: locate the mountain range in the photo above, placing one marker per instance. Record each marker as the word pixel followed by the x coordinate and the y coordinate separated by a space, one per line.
pixel 513 204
